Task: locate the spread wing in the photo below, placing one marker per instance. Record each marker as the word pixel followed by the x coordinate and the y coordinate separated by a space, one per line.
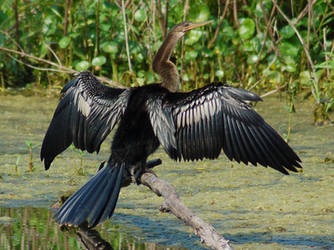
pixel 85 115
pixel 217 117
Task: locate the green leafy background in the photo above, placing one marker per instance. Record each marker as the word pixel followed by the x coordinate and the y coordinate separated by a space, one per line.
pixel 247 52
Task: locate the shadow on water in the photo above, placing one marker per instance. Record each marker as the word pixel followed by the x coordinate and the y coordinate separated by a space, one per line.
pixel 33 228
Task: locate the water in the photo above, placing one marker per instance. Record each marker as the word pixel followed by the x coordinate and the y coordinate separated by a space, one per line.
pixel 255 208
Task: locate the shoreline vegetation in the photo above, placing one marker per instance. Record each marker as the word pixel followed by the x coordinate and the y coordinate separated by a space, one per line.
pixel 262 46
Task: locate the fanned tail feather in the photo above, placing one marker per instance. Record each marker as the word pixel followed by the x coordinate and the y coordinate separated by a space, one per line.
pixel 96 200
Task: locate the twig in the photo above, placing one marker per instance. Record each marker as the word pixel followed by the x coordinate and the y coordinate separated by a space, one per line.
pixel 35 67
pixel 126 36
pixel 325 50
pixel 161 20
pixel 17 31
pixel 97 27
pixel 235 13
pixel 67 6
pixel 308 25
pixel 220 22
pixel 315 87
pixel 60 68
pixel 12 39
pixel 268 23
pixel 166 17
pixel 185 13
pixel 273 91
pixel 303 13
pixel 54 54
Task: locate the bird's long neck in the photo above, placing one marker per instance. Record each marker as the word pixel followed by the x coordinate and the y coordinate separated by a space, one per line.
pixel 164 67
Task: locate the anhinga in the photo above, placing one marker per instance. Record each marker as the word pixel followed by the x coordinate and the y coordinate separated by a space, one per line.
pixel 189 126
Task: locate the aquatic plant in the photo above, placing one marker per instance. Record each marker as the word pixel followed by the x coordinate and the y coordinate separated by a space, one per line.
pixel 31 146
pixel 16 166
pixel 75 154
pixel 253 44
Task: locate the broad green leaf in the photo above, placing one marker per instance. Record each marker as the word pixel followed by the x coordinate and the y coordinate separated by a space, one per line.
pixel 219 74
pixel 141 74
pixel 273 77
pixel 193 54
pixel 290 64
pixel 3 16
pixel 247 46
pixel 287 32
pixel 185 77
pixel 199 13
pixel 64 42
pixel 288 49
pixel 305 78
pixel 140 15
pixel 99 60
pixel 193 37
pixel 258 9
pixel 105 27
pixel 49 26
pixel 246 29
pixel 43 50
pixel 150 77
pixel 227 32
pixel 326 64
pixel 252 59
pixel 140 58
pixel 82 65
pixel 110 47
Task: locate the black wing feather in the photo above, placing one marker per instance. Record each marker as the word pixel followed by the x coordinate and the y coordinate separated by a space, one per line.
pixel 85 115
pixel 216 117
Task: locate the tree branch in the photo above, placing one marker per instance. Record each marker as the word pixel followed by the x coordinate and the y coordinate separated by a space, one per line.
pixel 126 36
pixel 315 86
pixel 205 231
pixel 59 68
pixel 220 22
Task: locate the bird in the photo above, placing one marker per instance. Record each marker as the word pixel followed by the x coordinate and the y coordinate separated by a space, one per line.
pixel 189 126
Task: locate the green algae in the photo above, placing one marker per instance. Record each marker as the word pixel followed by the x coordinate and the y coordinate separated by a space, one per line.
pixel 33 228
pixel 254 207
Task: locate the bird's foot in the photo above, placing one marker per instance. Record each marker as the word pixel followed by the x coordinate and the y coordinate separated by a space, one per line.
pixel 142 168
pixel 152 163
pixel 136 173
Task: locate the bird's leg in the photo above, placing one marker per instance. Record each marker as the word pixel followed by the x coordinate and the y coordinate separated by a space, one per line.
pixel 152 163
pixel 137 171
pixel 142 167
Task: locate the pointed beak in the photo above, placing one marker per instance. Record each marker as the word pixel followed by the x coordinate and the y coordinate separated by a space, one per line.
pixel 196 25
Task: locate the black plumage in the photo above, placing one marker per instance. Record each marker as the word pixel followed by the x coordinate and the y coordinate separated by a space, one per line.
pixel 189 126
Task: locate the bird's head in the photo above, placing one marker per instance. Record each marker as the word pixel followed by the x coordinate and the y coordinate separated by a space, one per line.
pixel 181 28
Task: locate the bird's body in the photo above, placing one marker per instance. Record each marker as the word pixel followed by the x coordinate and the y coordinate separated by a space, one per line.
pixel 189 126
pixel 134 139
